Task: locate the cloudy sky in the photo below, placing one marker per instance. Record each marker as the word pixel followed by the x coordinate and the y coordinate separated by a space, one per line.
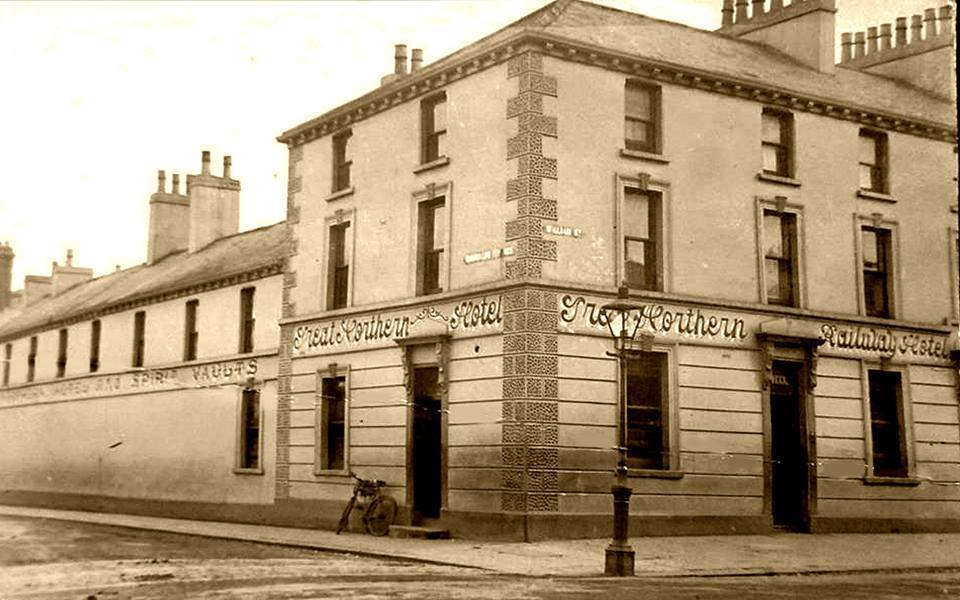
pixel 96 97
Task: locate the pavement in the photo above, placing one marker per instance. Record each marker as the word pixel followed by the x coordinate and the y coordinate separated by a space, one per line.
pixel 729 555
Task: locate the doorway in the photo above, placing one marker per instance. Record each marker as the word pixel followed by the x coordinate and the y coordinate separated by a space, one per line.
pixel 426 449
pixel 790 454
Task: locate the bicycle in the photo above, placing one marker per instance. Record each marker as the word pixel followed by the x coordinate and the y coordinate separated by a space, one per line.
pixel 379 510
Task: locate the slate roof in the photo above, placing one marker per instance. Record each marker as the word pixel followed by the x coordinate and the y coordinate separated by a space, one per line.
pixel 227 257
pixel 689 48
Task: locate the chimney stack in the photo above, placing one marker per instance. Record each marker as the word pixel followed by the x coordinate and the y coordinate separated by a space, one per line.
pixel 169 215
pixel 6 274
pixel 62 278
pixel 804 29
pixel 214 205
pixel 416 60
pixel 400 59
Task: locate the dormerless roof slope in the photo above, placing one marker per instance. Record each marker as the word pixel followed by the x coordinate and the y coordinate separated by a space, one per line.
pixel 228 257
pixel 687 48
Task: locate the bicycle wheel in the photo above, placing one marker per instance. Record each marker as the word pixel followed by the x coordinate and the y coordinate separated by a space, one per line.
pixel 345 517
pixel 379 515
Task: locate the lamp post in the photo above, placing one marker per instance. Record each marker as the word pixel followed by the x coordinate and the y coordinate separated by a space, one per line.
pixel 623 321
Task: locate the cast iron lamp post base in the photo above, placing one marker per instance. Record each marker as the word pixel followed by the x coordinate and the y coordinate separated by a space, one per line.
pixel 619 557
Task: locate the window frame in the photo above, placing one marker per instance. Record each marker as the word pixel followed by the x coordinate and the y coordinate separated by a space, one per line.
pixel 781 205
pixel 7 356
pixel 96 332
pixel 953 240
pixel 653 121
pixel 664 242
pixel 242 429
pixel 786 147
pixel 191 336
pixel 139 339
pixel 32 359
pixel 893 287
pixel 321 435
pixel 670 410
pixel 430 137
pixel 426 234
pixel 905 424
pixel 344 220
pixel 248 320
pixel 62 341
pixel 430 192
pixel 880 168
pixel 341 165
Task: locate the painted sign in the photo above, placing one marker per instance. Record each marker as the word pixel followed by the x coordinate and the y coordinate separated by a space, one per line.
pixel 487 255
pixel 654 318
pixel 561 230
pixel 220 373
pixel 885 342
pixel 323 336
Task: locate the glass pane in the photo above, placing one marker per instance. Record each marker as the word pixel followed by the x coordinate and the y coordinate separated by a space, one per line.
pixel 772 235
pixel 771 159
pixel 875 294
pixel 637 130
pixel 639 102
pixel 439 145
pixel 868 149
pixel 646 379
pixel 772 279
pixel 772 128
pixel 636 215
pixel 866 177
pixel 439 224
pixel 869 249
pixel 440 116
pixel 885 427
pixel 636 251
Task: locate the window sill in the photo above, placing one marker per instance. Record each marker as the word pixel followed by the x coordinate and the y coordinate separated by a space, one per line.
pixel 340 194
pixel 647 156
pixel 434 164
pixel 331 472
pixel 772 178
pixel 655 473
pixel 239 471
pixel 871 195
pixel 903 481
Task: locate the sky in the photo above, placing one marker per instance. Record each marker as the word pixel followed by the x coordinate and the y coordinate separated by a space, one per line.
pixel 96 97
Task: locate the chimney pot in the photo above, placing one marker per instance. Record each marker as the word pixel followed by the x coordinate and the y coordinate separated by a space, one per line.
pixel 727 12
pixel 860 44
pixel 846 43
pixel 930 23
pixel 416 59
pixel 873 44
pixel 400 59
pixel 227 161
pixel 742 11
pixel 758 8
pixel 916 28
pixel 885 32
pixel 946 14
pixel 176 184
pixel 161 181
pixel 901 31
pixel 69 257
pixel 776 5
pixel 205 163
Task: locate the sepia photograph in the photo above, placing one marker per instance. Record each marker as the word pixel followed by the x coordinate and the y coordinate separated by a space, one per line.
pixel 479 299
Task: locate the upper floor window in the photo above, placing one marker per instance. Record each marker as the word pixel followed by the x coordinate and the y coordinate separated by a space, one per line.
pixel 62 353
pixel 95 346
pixel 246 319
pixel 642 117
pixel 887 424
pixel 190 334
pixel 331 445
pixel 433 127
pixel 338 267
pixel 877 253
pixel 249 442
pixel 7 354
pixel 341 164
pixel 874 170
pixel 780 257
pixel 32 359
pixel 432 236
pixel 648 410
pixel 139 328
pixel 777 142
pixel 641 223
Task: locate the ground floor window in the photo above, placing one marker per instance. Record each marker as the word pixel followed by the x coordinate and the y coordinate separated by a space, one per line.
pixel 648 414
pixel 331 423
pixel 249 452
pixel 887 424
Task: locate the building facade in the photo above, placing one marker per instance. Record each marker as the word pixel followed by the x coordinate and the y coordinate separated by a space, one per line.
pixel 430 314
pixel 788 224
